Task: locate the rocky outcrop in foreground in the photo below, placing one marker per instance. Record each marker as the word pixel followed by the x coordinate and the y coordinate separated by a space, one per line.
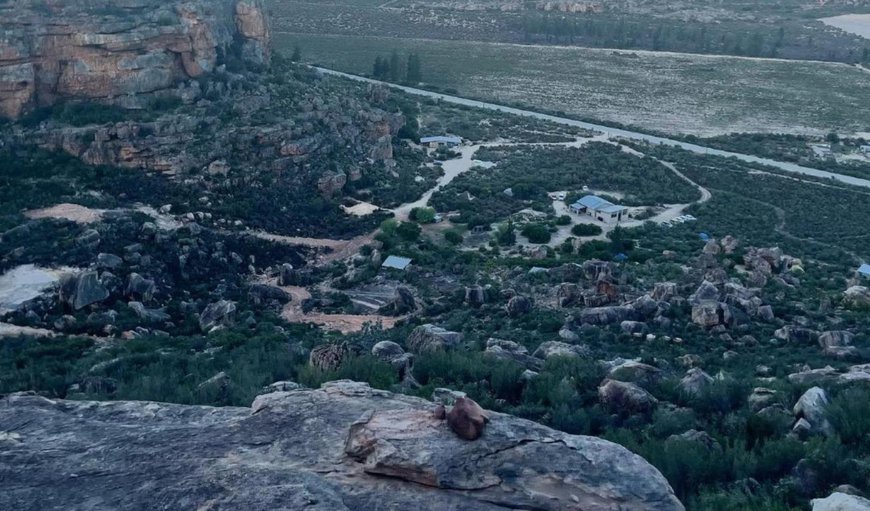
pixel 342 447
pixel 53 50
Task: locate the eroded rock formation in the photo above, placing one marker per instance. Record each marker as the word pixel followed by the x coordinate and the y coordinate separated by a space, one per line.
pixel 120 51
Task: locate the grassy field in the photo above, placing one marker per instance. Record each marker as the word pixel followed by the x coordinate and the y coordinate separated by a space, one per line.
pixel 674 93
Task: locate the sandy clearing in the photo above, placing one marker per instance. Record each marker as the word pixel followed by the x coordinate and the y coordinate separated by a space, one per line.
pixel 360 209
pixel 67 211
pixel 344 323
pixel 301 241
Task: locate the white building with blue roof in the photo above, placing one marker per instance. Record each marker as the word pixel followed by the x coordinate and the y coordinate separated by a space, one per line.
pixel 598 208
pixel 864 270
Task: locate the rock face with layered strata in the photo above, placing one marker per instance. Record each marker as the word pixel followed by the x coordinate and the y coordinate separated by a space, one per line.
pixel 344 446
pixel 123 52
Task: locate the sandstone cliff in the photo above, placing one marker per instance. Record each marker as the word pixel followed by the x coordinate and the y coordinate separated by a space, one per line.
pixel 120 50
pixel 345 446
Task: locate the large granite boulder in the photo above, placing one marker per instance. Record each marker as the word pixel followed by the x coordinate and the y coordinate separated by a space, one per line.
pixel 345 446
pixel 708 314
pixel 219 313
pixel 857 296
pixel 518 306
pixel 796 334
pixel 841 502
pixel 695 382
pixel 560 349
pixel 605 315
pixel 812 407
pixel 428 338
pixel 623 396
pixel 512 351
pixel 82 289
pixel 633 371
pixel 706 292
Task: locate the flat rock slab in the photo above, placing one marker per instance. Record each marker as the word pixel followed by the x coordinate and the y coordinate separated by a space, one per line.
pixel 342 447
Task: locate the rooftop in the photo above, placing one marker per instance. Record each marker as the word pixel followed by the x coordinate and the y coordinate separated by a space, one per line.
pixel 593 202
pixel 612 208
pixel 864 269
pixel 396 262
pixel 596 203
pixel 441 139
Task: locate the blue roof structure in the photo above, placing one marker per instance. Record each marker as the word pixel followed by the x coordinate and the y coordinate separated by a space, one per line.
pixel 592 202
pixel 864 270
pixel 595 203
pixel 704 236
pixel 620 257
pixel 396 262
pixel 441 140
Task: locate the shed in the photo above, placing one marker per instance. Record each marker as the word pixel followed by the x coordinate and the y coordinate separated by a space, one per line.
pixel 864 270
pixel 441 140
pixel 396 262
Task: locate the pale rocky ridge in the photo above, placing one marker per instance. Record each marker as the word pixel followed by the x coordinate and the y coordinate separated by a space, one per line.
pixel 118 51
pixel 344 446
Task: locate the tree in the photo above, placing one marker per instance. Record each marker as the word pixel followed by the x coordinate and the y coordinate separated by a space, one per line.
pixel 408 231
pixel 505 235
pixel 297 54
pixel 395 69
pixel 536 233
pixel 378 67
pixel 414 73
pixel 453 236
pixel 586 230
pixel 422 215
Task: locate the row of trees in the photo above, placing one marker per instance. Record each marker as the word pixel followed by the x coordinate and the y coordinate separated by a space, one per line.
pixel 733 39
pixel 393 69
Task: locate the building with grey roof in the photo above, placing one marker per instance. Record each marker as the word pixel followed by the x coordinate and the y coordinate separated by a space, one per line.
pixel 598 208
pixel 396 262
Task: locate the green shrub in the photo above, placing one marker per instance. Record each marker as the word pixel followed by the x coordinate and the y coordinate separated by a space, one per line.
pixel 453 236
pixel 536 233
pixel 849 413
pixel 422 215
pixel 586 230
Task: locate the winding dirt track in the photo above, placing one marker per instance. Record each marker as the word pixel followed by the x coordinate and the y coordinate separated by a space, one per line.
pixel 609 131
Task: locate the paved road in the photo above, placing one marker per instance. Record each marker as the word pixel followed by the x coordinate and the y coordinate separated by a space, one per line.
pixel 612 132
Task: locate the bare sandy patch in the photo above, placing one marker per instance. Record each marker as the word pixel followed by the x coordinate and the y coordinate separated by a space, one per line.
pixel 344 323
pixel 72 212
pixel 360 209
pixel 340 248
